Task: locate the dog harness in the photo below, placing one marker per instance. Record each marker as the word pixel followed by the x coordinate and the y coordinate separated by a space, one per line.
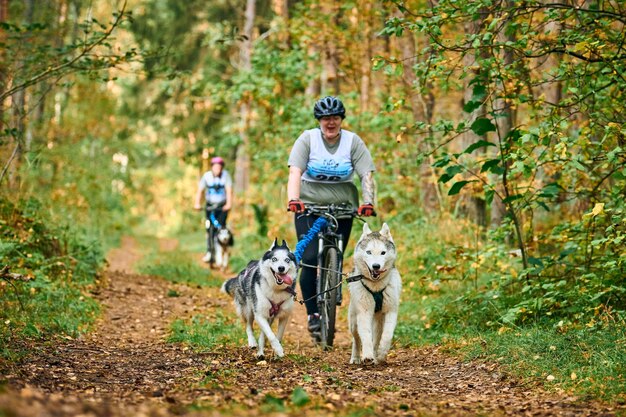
pixel 378 298
pixel 275 308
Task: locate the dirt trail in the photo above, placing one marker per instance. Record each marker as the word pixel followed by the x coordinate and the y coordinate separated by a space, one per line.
pixel 126 368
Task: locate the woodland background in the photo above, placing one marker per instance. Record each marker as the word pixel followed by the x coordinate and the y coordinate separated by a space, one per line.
pixel 497 129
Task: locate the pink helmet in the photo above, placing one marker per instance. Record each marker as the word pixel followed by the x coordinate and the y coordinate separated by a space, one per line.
pixel 217 160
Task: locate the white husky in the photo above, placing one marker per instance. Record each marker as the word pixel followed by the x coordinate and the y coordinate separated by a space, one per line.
pixel 265 291
pixel 374 300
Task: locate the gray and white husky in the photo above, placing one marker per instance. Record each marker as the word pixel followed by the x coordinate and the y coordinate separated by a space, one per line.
pixel 264 291
pixel 222 243
pixel 374 300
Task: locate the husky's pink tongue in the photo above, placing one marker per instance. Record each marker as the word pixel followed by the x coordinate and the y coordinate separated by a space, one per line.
pixel 286 279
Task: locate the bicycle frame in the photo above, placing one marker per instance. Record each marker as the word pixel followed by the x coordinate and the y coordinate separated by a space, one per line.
pixel 324 245
pixel 329 238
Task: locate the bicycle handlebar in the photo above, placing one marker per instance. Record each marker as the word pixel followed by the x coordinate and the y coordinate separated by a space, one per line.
pixel 329 210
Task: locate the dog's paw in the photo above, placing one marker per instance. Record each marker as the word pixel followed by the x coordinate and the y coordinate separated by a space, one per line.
pixel 369 361
pixel 381 359
pixel 260 356
pixel 355 361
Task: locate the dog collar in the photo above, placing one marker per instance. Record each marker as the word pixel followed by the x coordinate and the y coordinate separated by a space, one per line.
pixel 291 291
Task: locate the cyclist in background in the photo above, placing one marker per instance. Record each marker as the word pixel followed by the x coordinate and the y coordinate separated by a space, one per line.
pixel 321 167
pixel 216 186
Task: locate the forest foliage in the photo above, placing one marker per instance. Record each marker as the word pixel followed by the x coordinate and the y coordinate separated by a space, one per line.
pixel 497 129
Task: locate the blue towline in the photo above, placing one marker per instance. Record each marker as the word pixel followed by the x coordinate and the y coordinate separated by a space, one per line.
pixel 319 224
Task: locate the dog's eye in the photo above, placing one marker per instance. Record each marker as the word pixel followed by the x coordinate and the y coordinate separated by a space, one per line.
pixel 369 252
pixel 383 252
pixel 287 260
pixel 274 259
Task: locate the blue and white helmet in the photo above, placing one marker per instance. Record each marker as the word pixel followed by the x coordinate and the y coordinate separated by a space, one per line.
pixel 329 106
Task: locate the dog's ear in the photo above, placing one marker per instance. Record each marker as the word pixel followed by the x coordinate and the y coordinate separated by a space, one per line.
pixel 366 230
pixel 284 245
pixel 274 244
pixel 385 232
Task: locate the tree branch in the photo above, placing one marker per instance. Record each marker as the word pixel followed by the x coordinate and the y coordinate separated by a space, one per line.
pixel 50 72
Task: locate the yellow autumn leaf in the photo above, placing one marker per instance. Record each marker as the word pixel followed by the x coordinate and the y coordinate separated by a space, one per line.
pixel 581 46
pixel 598 209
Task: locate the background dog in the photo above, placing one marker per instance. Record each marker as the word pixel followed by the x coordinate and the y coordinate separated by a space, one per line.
pixel 263 291
pixel 374 300
pixel 223 241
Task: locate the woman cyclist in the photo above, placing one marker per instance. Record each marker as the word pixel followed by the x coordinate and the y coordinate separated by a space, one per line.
pixel 217 188
pixel 321 167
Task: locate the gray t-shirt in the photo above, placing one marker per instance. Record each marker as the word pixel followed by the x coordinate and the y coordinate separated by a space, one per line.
pixel 327 192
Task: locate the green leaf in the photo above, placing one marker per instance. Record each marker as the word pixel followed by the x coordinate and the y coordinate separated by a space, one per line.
pixel 442 162
pixel 492 165
pixel 451 171
pixel 489 194
pixel 482 126
pixel 551 190
pixel 471 105
pixel 299 397
pixel 544 205
pixel 511 198
pixel 457 186
pixel 480 144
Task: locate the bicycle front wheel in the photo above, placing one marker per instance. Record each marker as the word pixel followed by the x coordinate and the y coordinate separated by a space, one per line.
pixel 328 304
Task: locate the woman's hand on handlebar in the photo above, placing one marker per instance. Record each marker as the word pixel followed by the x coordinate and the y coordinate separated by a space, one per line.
pixel 366 210
pixel 296 206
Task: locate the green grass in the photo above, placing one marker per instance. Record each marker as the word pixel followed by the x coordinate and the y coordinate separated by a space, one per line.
pixel 205 333
pixel 61 264
pixel 464 293
pixel 177 266
pixel 589 362
pixel 40 309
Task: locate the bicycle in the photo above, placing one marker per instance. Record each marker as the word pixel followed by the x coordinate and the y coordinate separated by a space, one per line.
pixel 329 266
pixel 212 225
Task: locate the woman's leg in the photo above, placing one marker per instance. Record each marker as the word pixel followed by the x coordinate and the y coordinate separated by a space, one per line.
pixel 309 256
pixel 209 237
pixel 221 216
pixel 345 227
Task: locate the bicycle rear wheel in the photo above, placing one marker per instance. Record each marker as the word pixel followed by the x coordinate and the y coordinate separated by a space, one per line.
pixel 328 304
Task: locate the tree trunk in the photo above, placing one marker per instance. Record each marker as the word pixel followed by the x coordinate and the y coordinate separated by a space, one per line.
pixel 473 204
pixel 245 58
pixel 61 96
pixel 363 21
pixel 505 124
pixel 4 15
pixel 314 87
pixel 281 10
pixel 330 58
pixel 421 104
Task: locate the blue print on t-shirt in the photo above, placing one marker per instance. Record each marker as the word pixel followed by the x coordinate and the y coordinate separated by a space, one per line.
pixel 330 170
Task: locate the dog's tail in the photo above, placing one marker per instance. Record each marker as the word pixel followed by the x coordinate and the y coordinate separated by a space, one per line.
pixel 229 286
